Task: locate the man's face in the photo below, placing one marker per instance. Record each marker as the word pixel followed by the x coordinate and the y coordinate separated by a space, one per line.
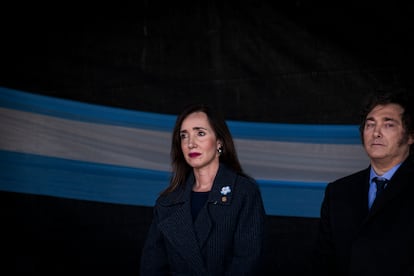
pixel 384 136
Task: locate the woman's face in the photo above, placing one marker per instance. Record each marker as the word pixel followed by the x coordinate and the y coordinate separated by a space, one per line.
pixel 199 143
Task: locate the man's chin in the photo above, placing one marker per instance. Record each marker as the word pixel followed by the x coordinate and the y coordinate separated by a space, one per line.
pixel 376 155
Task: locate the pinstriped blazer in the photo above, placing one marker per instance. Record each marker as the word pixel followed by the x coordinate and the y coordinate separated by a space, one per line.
pixel 225 239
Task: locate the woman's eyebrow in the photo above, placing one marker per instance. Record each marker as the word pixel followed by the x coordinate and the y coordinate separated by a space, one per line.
pixel 198 128
pixel 194 128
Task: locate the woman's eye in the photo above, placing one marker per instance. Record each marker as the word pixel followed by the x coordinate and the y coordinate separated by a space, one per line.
pixel 183 135
pixel 201 133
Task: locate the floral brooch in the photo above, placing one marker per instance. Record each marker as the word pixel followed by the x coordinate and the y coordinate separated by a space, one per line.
pixel 224 191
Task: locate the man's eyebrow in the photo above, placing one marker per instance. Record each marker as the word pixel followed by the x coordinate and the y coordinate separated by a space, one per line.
pixel 385 119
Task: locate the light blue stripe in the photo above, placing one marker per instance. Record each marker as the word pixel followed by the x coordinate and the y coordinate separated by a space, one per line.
pixel 40 175
pixel 309 133
pixel 298 133
pixel 295 201
pixel 85 112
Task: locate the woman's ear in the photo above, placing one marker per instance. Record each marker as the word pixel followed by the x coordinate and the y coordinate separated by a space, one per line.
pixel 219 147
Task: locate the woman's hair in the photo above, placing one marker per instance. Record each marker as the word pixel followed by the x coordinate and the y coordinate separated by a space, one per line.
pixel 228 156
pixel 388 96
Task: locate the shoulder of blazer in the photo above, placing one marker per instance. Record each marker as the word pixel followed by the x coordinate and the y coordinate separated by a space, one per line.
pixel 176 197
pixel 362 174
pixel 179 195
pixel 350 183
pixel 403 176
pixel 407 167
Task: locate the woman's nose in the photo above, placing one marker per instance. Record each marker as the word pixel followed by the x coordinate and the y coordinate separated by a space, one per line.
pixel 191 143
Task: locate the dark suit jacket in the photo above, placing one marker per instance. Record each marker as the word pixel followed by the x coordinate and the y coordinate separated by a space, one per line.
pixel 225 239
pixel 357 241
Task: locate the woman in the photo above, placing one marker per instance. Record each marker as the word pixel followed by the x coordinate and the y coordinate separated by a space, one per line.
pixel 210 219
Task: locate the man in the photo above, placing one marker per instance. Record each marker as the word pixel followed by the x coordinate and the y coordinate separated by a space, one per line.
pixel 363 230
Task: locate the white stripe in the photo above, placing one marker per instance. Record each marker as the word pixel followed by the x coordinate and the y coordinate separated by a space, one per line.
pixel 49 136
pixel 115 145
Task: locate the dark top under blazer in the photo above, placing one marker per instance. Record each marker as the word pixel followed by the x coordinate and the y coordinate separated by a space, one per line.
pixel 357 241
pixel 225 239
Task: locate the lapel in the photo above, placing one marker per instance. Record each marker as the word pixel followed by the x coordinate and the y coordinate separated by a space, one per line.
pixel 220 195
pixel 398 183
pixel 358 198
pixel 362 209
pixel 178 227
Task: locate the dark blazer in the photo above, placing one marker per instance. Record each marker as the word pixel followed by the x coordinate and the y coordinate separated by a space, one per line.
pixel 354 240
pixel 225 239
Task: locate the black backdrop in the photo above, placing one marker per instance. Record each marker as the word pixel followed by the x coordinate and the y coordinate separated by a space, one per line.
pixel 254 60
pixel 43 235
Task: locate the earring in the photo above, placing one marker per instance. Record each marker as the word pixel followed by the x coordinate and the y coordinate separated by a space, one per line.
pixel 220 150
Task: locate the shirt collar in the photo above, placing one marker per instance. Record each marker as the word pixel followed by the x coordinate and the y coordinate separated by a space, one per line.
pixel 386 175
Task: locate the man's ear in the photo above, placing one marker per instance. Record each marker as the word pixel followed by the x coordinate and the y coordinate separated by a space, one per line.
pixel 411 138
